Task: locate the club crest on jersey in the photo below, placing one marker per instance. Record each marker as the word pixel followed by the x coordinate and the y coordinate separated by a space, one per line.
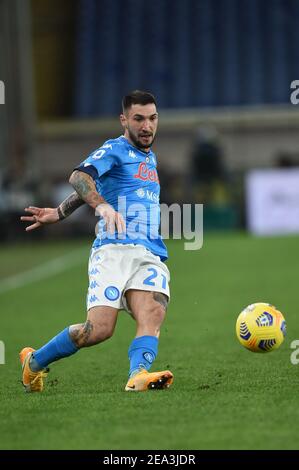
pixel 145 174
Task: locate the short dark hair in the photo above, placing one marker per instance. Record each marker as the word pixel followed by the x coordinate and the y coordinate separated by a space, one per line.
pixel 137 97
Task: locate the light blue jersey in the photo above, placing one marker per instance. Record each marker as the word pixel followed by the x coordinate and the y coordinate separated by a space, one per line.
pixel 127 179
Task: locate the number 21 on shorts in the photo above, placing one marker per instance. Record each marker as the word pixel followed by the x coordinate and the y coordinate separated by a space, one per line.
pixel 154 278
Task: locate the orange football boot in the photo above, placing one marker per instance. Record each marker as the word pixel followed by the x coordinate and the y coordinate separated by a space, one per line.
pixel 32 381
pixel 145 380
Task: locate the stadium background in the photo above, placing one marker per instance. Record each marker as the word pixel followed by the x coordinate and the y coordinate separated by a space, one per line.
pixel 221 71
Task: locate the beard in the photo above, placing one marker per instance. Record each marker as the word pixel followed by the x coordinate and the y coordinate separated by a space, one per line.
pixel 138 143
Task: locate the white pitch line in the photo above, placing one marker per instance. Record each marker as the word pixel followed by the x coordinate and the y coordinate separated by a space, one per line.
pixel 43 271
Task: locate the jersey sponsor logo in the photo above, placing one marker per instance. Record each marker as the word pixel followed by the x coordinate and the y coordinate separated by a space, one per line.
pixel 140 193
pixel 132 154
pixel 145 174
pixel 111 293
pixel 150 195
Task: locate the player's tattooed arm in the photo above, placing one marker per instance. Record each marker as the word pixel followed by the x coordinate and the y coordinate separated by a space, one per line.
pixel 85 186
pixel 69 205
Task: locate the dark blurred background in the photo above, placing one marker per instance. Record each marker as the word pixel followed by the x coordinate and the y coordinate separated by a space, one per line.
pixel 221 71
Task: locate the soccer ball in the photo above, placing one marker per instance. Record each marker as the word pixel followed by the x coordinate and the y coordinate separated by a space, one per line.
pixel 261 327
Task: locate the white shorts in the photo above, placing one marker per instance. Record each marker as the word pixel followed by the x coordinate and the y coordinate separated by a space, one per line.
pixel 115 268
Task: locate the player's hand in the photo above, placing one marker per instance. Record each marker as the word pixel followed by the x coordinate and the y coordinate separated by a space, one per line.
pixel 40 216
pixel 112 218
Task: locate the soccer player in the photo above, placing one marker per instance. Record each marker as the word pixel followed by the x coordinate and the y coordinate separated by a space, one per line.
pixel 126 265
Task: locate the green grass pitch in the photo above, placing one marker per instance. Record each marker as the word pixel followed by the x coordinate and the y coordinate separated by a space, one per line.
pixel 223 396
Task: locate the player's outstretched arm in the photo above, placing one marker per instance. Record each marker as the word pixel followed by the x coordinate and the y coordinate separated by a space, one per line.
pixel 85 186
pixel 48 215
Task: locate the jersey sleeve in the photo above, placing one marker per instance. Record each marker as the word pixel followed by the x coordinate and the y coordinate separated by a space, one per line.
pixel 99 162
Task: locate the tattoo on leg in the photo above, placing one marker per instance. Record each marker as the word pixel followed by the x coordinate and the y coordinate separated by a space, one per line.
pixel 161 298
pixel 88 327
pixel 80 334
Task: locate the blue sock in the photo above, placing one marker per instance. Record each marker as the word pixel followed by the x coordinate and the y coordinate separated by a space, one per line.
pixel 142 353
pixel 58 347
